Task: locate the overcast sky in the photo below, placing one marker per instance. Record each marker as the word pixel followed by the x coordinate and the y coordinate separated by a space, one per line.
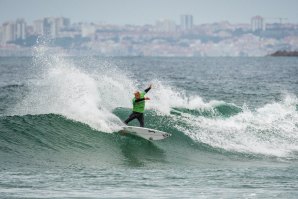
pixel 141 12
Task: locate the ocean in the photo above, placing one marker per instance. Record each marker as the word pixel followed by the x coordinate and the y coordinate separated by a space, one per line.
pixel 234 126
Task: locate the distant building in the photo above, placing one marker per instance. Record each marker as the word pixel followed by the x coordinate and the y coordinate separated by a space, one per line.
pixel 165 25
pixel 186 22
pixel 29 30
pixel 8 32
pixel 20 30
pixel 88 30
pixel 257 24
pixel 62 23
pixel 38 27
pixel 1 43
pixel 50 28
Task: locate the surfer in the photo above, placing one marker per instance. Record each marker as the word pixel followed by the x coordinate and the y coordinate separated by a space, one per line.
pixel 138 103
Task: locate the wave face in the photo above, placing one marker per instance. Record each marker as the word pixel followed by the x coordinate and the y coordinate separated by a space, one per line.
pixel 68 105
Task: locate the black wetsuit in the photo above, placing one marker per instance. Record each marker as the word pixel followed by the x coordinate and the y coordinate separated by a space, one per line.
pixel 137 115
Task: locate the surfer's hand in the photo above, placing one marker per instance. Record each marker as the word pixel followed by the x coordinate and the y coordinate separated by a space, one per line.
pixel 147 98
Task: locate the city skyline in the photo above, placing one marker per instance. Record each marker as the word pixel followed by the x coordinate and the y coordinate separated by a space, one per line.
pixel 148 12
pixel 178 22
pixel 164 38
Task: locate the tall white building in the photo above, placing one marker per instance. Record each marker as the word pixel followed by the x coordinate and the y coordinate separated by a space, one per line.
pixel 257 24
pixel 8 32
pixel 186 22
pixel 20 29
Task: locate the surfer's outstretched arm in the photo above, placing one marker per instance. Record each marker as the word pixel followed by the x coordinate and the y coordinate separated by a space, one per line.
pixel 148 89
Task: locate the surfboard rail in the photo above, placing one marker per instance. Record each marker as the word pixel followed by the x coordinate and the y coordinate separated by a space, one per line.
pixel 146 133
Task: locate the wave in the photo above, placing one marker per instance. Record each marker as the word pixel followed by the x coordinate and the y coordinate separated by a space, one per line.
pixel 63 94
pixel 269 130
pixel 54 139
pixel 42 137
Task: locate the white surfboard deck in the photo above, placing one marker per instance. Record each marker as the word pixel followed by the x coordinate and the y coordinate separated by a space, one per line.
pixel 146 133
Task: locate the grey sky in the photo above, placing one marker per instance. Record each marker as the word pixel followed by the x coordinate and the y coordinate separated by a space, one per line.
pixel 148 11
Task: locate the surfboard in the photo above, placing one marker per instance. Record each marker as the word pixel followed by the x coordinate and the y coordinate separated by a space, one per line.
pixel 146 133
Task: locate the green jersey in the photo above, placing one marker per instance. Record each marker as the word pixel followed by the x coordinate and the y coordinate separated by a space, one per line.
pixel 139 106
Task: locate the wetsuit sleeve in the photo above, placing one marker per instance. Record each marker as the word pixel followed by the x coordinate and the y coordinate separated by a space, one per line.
pixel 147 89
